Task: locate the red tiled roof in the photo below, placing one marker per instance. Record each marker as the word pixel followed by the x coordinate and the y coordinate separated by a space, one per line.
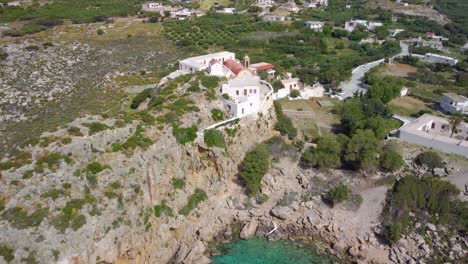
pixel 234 66
pixel 265 67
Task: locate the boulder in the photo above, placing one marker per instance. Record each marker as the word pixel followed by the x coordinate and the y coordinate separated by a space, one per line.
pixel 248 231
pixel 431 227
pixel 281 212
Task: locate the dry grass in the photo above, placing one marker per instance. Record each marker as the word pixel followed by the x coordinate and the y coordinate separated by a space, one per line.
pixel 307 115
pixel 206 4
pixel 398 69
pixel 407 105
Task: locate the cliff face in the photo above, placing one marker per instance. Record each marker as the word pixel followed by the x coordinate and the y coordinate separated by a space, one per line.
pixel 105 214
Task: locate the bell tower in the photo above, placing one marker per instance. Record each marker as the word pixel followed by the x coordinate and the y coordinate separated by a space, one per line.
pixel 246 61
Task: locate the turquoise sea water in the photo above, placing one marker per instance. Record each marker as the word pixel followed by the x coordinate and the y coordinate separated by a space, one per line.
pixel 262 251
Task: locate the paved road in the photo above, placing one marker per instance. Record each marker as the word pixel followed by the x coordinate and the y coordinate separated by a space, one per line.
pixel 356 83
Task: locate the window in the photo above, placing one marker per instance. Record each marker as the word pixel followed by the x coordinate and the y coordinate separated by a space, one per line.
pixel 255 91
pixel 250 104
pixel 242 110
pixel 433 125
pixel 245 91
pixel 237 92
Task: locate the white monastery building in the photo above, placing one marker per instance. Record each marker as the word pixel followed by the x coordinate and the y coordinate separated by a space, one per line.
pixel 201 63
pixel 244 95
pixel 314 25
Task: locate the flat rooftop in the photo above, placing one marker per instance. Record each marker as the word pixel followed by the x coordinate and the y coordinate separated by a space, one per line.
pixel 437 128
pixel 455 97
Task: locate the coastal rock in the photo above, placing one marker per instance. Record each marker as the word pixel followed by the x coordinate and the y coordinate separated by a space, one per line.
pixel 248 231
pixel 281 212
pixel 195 253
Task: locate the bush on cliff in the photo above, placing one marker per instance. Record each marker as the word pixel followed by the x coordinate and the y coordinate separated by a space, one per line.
pixel 255 164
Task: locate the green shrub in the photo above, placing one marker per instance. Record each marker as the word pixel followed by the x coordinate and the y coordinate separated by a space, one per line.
pixel 69 216
pixel 78 221
pixel 295 93
pixel 2 203
pixel 66 140
pixel 231 131
pixel 326 155
pixel 392 233
pixel 140 98
pixel 100 31
pixel 391 161
pixel 116 147
pixel 75 131
pixel 210 82
pixel 145 117
pixel 3 54
pixel 7 252
pixel 214 138
pixel 284 124
pixel 163 209
pixel 156 101
pixel 25 30
pixel 19 218
pixel 32 48
pixel 194 200
pixel 217 115
pixel 178 183
pixel 52 193
pixel 184 135
pixel 96 127
pixel 255 164
pixel 94 167
pixel 338 194
pixel 137 140
pixel 430 159
pixel 431 199
pixel 51 160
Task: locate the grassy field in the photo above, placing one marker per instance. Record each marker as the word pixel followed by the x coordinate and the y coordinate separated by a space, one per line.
pixel 407 106
pixel 76 10
pixel 141 59
pixel 206 4
pixel 397 69
pixel 309 117
pixel 121 29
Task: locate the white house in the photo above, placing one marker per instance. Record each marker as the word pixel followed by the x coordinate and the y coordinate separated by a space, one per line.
pixel 244 95
pixel 265 2
pixel 354 23
pixel 315 90
pixel 440 59
pixel 153 5
pixel 271 18
pixel 454 103
pixel 316 3
pixel 227 10
pixel 201 63
pixel 263 66
pixel 434 132
pixel 314 25
pixel 373 25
